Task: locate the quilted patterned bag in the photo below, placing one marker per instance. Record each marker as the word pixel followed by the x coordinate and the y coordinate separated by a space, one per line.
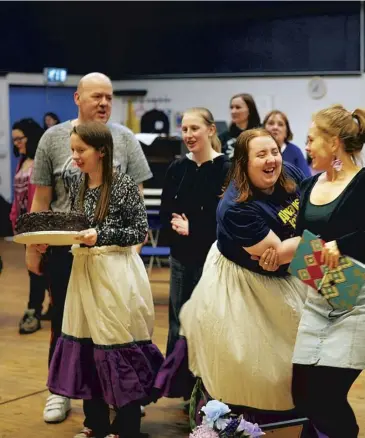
pixel 340 286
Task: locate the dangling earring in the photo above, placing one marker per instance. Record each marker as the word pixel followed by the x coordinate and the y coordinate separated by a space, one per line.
pixel 337 164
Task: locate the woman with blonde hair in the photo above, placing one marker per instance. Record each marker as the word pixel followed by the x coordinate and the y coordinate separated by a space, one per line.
pixel 330 350
pixel 189 201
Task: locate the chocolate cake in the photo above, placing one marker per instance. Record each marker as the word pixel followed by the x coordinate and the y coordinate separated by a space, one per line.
pixel 50 221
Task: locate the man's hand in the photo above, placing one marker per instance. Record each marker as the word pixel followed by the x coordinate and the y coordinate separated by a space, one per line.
pixel 33 259
pixel 41 248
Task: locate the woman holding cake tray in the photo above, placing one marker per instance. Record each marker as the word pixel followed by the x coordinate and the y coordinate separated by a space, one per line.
pixel 105 355
pixel 240 324
pixel 52 175
pixel 26 134
pixel 330 351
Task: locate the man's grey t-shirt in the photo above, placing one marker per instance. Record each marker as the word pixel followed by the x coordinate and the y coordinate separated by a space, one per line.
pixel 53 164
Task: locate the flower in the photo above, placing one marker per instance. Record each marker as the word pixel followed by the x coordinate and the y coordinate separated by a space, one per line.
pixel 241 427
pixel 218 423
pixel 252 430
pixel 221 423
pixel 232 426
pixel 213 410
pixel 204 432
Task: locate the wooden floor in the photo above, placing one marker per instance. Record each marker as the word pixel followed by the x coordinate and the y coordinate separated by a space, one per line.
pixel 23 366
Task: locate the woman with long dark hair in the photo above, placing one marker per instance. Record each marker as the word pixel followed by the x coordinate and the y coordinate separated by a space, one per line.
pixel 244 115
pixel 105 355
pixel 26 134
pixel 50 119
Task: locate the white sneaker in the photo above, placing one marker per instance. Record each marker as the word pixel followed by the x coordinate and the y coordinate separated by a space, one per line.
pixel 85 433
pixel 56 408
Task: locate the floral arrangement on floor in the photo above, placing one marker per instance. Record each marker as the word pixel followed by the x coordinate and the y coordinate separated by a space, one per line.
pixel 218 422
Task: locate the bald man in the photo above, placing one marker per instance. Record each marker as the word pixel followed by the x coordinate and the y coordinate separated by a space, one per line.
pixel 52 174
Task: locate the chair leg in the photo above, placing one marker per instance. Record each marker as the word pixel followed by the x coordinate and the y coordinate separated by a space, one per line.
pixel 152 238
pixel 150 265
pixel 157 235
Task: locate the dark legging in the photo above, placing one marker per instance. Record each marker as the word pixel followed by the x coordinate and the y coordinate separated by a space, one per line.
pixel 183 280
pixel 58 264
pixel 320 394
pixel 37 290
pixel 38 285
pixel 127 422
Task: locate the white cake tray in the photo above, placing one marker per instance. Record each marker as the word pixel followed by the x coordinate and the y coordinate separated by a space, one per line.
pixel 54 238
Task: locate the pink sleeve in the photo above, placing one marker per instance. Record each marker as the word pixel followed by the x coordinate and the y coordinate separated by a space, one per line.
pixel 13 215
pixel 31 192
pixel 13 212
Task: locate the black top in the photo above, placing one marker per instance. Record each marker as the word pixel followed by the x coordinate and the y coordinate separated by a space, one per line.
pixel 244 224
pixel 126 222
pixel 342 220
pixel 193 190
pixel 228 139
pixel 317 216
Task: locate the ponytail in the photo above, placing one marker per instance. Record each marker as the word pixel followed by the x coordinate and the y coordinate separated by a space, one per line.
pixel 359 116
pixel 349 127
pixel 216 143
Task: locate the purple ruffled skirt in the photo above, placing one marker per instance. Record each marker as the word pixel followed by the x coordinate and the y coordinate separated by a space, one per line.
pixel 117 374
pixel 105 350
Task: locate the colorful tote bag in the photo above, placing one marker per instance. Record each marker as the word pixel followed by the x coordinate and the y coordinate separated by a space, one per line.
pixel 340 286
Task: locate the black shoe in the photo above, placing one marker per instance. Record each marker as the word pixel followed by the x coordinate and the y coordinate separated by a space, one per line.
pixel 30 323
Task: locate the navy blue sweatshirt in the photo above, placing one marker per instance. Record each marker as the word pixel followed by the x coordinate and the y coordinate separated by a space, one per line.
pixel 195 191
pixel 293 155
